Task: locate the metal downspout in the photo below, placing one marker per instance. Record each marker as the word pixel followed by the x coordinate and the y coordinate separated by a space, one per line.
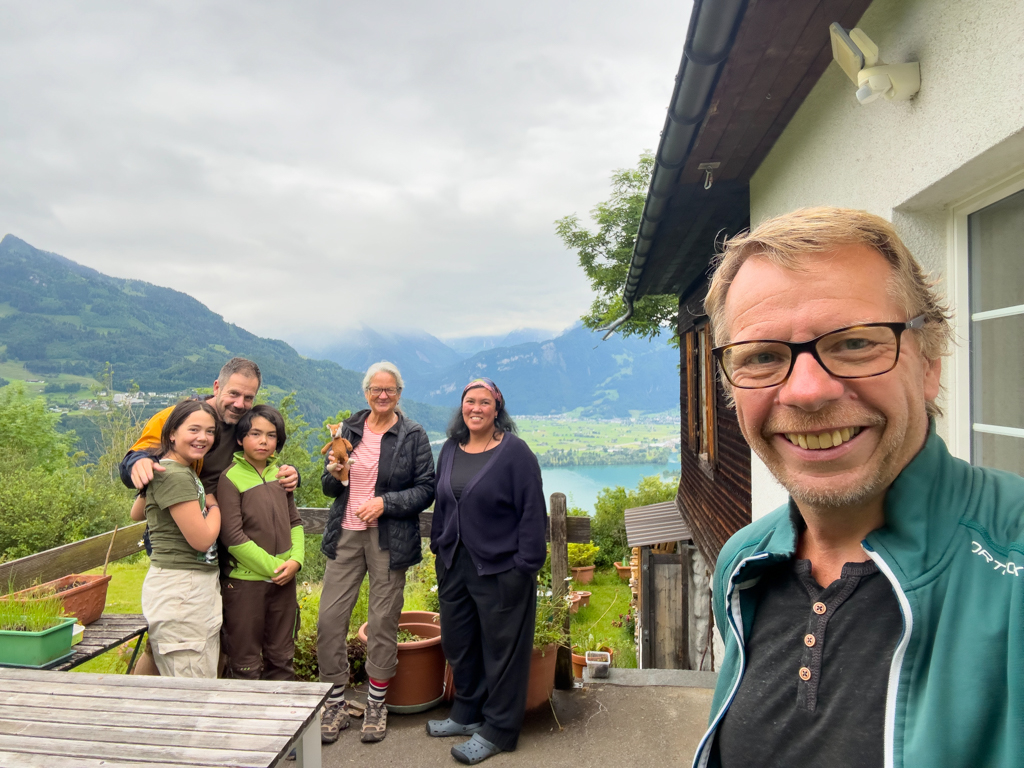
pixel 709 39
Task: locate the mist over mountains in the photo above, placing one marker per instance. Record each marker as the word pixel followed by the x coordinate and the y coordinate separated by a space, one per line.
pixel 575 371
pixel 59 319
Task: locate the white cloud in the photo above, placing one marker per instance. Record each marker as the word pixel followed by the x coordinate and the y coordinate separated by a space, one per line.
pixel 349 162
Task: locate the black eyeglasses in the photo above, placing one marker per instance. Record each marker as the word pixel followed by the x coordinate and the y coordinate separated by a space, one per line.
pixel 857 352
pixel 389 391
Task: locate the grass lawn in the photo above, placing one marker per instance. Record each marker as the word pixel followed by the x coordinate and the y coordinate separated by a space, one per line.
pixel 124 595
pixel 609 597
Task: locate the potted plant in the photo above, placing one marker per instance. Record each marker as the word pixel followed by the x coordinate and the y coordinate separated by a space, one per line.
pixel 624 570
pixel 83 595
pixel 34 633
pixel 584 597
pixel 548 634
pixel 418 684
pixel 581 561
pixel 580 649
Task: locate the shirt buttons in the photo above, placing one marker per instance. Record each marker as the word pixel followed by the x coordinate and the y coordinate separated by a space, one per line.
pixel 809 641
pixel 819 608
pixel 805 674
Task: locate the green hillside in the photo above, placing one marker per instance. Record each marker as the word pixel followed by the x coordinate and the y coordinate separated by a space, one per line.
pixel 62 322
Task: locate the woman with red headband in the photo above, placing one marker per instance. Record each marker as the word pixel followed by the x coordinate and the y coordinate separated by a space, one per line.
pixel 488 534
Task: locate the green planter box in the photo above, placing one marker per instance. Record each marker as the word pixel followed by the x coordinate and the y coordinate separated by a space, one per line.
pixel 34 649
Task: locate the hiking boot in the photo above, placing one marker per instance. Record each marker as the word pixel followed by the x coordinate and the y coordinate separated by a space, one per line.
pixel 375 722
pixel 333 721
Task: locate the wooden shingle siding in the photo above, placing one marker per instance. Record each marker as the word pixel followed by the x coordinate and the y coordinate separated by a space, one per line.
pixel 713 499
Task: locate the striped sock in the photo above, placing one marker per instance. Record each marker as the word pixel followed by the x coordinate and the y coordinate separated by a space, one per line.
pixel 378 689
pixel 336 696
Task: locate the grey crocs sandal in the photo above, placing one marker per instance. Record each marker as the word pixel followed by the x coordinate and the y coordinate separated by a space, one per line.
pixel 474 751
pixel 450 728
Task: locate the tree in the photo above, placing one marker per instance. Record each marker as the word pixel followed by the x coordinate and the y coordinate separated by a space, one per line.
pixel 608 527
pixel 605 254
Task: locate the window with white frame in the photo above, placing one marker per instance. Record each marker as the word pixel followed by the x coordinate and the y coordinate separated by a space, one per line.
pixel 995 250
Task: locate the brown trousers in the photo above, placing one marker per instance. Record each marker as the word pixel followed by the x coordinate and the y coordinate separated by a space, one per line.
pixel 261 620
pixel 358 553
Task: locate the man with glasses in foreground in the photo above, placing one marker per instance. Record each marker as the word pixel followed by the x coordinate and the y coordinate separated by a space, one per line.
pixel 877 618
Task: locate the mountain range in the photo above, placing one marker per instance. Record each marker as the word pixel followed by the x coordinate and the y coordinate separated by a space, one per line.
pixel 539 375
pixel 59 317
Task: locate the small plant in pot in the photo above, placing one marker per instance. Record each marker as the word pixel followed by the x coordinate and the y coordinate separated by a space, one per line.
pixel 34 633
pixel 579 652
pixel 581 561
pixel 548 634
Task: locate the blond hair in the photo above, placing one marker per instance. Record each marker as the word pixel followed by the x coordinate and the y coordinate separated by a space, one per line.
pixel 786 240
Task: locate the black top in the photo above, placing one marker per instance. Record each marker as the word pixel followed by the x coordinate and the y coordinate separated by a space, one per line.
pixel 464 468
pixel 499 516
pixel 818 663
pixel 405 482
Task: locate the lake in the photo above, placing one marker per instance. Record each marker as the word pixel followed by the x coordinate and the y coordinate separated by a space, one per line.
pixel 582 484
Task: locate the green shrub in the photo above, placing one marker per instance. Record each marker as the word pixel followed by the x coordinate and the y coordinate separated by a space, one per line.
pixel 581 555
pixel 550 625
pixel 608 527
pixel 306 666
pixel 421 584
pixel 313 568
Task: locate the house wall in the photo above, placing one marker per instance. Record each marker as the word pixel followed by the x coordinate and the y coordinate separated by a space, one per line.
pixel 910 162
pixel 714 501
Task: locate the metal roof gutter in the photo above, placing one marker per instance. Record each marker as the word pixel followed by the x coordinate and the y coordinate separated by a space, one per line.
pixel 709 39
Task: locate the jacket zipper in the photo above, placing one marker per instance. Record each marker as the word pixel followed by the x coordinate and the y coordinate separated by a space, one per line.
pixel 733 611
pixel 897 657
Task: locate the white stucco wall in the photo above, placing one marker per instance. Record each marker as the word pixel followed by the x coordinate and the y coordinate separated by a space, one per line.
pixel 907 161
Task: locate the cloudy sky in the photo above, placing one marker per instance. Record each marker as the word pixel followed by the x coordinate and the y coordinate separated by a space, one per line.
pixel 302 165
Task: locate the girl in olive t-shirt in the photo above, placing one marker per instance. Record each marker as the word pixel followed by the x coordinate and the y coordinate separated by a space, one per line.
pixel 181 593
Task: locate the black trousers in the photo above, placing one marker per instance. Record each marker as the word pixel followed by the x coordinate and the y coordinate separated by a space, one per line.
pixel 487 634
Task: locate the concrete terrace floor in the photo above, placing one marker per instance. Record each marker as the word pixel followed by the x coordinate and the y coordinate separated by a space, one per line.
pixel 637 720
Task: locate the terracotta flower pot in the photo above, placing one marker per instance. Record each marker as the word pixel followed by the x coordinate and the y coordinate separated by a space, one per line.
pixel 584 597
pixel 574 603
pixel 624 571
pixel 84 595
pixel 418 683
pixel 584 574
pixel 542 676
pixel 579 661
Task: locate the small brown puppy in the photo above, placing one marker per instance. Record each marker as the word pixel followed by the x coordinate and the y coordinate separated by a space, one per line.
pixel 342 448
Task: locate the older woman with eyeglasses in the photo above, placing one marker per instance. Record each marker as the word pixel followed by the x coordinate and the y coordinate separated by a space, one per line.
pixel 373 527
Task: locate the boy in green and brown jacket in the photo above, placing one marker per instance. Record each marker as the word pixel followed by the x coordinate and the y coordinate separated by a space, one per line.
pixel 262 534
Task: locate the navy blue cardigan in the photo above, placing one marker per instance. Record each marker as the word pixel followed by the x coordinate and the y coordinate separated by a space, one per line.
pixel 500 517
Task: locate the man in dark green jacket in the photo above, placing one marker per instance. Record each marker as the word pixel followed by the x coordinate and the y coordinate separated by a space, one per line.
pixel 877 619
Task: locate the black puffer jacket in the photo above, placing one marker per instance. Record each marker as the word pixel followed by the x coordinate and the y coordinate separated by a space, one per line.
pixel 405 481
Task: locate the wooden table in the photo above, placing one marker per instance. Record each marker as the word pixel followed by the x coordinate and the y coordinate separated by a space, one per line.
pixel 108 631
pixel 84 720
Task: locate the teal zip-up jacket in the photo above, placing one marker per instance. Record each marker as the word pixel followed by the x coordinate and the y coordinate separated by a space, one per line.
pixel 259 523
pixel 953 550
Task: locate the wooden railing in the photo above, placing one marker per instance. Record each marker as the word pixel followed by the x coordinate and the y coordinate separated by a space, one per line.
pixel 93 552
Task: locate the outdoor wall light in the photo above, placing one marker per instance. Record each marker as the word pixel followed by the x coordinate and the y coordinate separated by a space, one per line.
pixel 858 57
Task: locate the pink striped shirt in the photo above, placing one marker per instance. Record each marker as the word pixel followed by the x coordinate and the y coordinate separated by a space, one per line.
pixel 362 478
